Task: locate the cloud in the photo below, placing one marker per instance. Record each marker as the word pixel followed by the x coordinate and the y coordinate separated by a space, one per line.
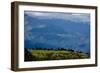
pixel 40 26
pixel 31 13
pixel 29 27
pixel 61 35
pixel 64 35
pixel 76 17
pixel 81 17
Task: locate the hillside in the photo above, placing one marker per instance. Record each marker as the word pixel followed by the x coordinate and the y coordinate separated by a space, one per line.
pixel 42 55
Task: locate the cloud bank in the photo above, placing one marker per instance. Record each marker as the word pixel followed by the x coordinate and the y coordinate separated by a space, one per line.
pixel 75 17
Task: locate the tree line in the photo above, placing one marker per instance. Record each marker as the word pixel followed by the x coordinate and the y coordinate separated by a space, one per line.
pixel 62 49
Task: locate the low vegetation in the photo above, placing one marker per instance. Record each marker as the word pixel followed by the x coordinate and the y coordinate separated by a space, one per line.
pixel 49 54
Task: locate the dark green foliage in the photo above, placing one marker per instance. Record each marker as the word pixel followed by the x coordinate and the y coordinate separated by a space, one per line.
pixel 51 54
pixel 27 55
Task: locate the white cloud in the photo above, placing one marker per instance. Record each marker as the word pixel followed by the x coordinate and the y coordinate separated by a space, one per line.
pixel 81 17
pixel 61 35
pixel 30 27
pixel 64 35
pixel 39 26
pixel 31 13
pixel 76 17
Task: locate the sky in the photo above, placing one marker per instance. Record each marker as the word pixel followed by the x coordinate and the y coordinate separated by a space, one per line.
pixel 83 17
pixel 56 29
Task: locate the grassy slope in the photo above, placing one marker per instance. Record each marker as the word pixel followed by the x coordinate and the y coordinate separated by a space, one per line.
pixel 41 55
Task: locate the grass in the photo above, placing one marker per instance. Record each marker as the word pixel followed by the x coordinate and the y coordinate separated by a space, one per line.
pixel 42 55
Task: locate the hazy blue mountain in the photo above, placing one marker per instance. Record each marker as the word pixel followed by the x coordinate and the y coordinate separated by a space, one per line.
pixel 41 31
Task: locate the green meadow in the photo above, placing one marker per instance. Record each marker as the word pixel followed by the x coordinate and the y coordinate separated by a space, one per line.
pixel 42 55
